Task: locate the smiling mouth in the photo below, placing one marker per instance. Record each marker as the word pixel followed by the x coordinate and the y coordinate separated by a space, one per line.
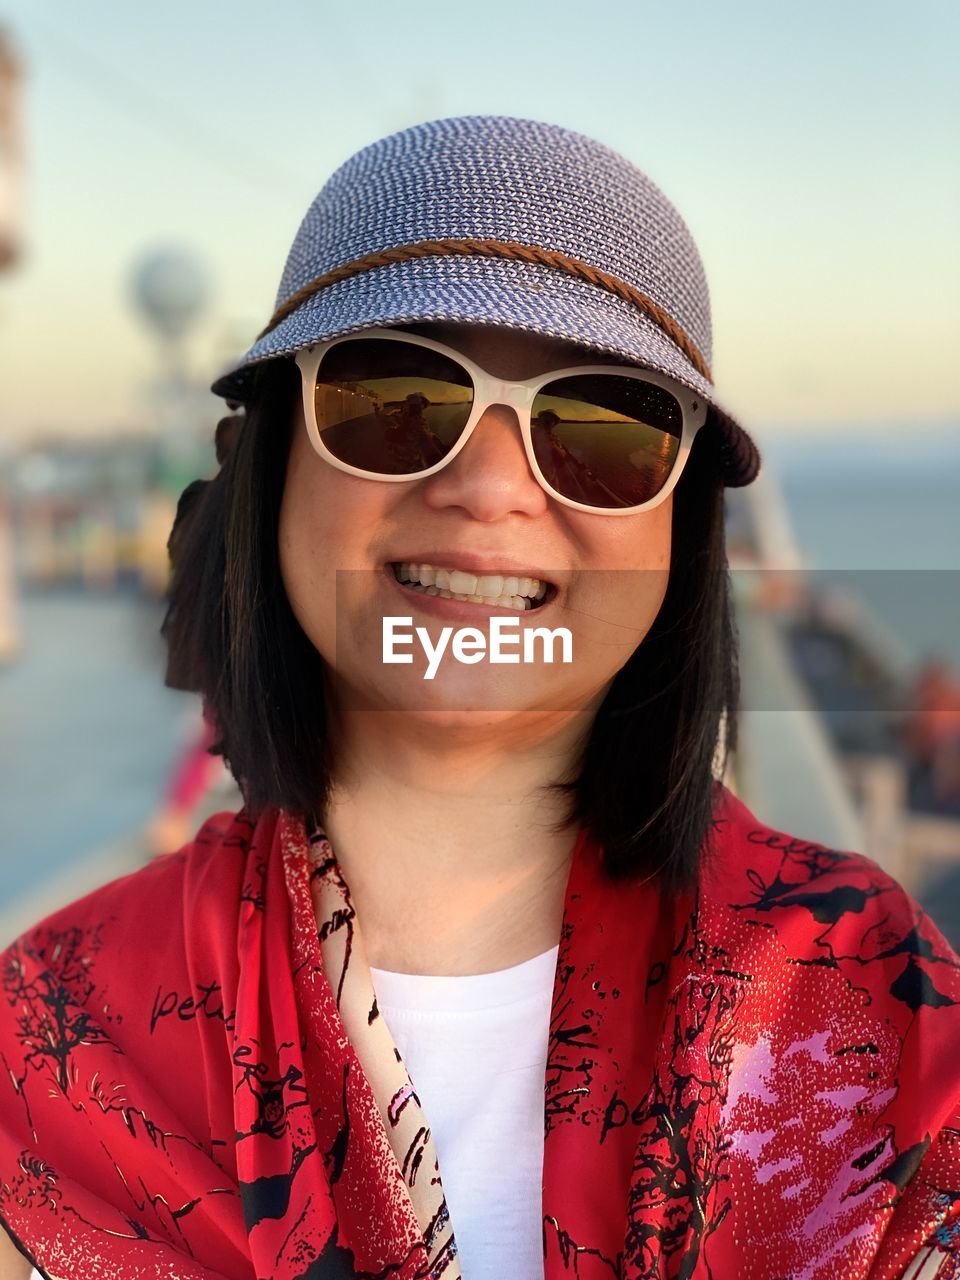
pixel 506 591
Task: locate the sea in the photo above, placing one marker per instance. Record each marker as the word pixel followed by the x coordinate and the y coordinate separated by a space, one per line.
pixel 893 545
pixel 89 733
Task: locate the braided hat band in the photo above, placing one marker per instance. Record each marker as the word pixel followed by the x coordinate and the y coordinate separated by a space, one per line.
pixel 497 221
pixel 496 249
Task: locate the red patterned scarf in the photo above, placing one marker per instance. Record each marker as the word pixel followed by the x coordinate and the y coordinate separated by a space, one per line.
pixel 759 1079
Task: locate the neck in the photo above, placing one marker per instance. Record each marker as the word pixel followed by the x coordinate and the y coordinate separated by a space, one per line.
pixel 456 851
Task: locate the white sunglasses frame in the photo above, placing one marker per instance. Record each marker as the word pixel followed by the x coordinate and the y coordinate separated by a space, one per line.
pixel 519 396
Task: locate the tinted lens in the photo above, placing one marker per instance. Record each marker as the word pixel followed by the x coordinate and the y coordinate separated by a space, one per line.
pixel 605 440
pixel 389 407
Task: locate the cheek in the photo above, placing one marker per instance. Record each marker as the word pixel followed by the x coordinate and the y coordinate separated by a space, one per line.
pixel 644 559
pixel 654 545
pixel 641 543
pixel 301 532
pixel 625 564
pixel 325 524
pixel 657 539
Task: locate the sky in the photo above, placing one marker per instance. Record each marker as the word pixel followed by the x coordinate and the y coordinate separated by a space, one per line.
pixel 812 149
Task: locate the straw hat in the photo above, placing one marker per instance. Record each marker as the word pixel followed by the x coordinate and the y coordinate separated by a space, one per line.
pixel 492 220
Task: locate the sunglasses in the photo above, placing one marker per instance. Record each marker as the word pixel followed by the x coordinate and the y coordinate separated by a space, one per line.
pixel 387 405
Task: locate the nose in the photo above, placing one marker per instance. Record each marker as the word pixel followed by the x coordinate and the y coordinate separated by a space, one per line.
pixel 490 477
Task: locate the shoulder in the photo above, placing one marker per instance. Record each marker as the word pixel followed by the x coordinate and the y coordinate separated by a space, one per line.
pixel 755 868
pixel 148 913
pixel 828 909
pixel 154 948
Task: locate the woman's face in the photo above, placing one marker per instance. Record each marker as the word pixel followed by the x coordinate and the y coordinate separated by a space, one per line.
pixel 484 512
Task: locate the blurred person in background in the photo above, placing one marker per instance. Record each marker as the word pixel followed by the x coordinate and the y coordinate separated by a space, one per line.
pixel 931 735
pixel 491 974
pixel 196 771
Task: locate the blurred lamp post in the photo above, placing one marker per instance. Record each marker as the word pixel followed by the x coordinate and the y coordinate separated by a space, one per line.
pixel 11 175
pixel 11 154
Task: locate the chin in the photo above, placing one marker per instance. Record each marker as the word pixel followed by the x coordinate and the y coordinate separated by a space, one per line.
pixel 458 697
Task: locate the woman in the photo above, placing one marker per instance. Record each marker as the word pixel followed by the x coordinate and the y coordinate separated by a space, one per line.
pixel 491 975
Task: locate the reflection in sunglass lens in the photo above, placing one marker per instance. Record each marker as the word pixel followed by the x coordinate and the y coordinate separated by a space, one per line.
pixel 389 407
pixel 606 440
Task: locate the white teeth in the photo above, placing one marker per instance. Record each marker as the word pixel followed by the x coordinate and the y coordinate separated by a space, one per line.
pixel 488 588
pixel 465 584
pixel 520 603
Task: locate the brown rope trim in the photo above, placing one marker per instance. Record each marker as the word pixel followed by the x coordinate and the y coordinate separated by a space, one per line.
pixel 470 247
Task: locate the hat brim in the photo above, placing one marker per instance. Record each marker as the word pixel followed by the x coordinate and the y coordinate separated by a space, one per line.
pixel 519 295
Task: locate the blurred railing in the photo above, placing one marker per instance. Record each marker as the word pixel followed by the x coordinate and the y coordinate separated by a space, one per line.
pixel 834 774
pixel 787 771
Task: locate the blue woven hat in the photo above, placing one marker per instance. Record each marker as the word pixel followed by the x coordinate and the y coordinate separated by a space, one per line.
pixel 491 220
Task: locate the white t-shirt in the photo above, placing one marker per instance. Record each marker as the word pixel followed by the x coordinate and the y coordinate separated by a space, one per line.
pixel 476 1051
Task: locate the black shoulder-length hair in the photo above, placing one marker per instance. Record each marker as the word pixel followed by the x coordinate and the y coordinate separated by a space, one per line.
pixel 646 780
